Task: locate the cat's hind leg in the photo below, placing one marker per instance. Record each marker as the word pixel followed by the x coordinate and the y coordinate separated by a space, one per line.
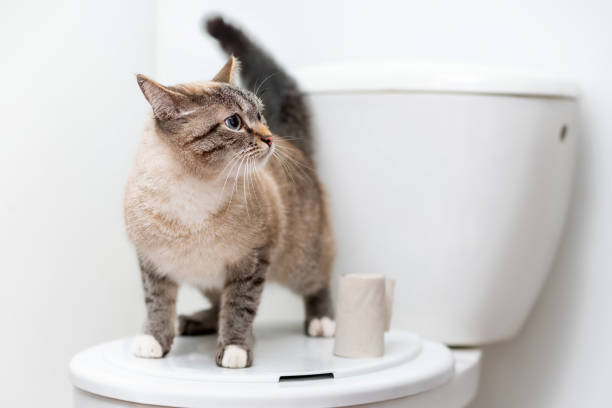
pixel 319 320
pixel 203 322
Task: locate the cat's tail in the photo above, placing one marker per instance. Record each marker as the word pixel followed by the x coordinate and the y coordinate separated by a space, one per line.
pixel 285 109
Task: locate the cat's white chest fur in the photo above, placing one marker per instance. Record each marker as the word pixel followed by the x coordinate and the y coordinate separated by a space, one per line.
pixel 168 216
pixel 190 253
pixel 189 200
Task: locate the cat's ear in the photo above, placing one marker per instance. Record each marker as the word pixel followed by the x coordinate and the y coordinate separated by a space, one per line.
pixel 230 71
pixel 166 103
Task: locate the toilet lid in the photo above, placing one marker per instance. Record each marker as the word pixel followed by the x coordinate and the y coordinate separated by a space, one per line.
pixel 288 366
pixel 414 75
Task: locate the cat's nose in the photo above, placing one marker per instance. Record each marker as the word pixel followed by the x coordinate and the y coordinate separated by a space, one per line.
pixel 267 140
pixel 261 129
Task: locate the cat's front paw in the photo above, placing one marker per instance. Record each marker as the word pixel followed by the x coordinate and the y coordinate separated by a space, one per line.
pixel 233 356
pixel 323 327
pixel 145 346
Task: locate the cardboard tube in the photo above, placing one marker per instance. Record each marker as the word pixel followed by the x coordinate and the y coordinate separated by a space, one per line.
pixel 360 316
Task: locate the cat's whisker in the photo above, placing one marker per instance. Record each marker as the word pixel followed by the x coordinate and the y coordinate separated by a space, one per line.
pixel 286 170
pixel 288 152
pixel 229 173
pixel 257 177
pixel 295 164
pixel 230 164
pixel 237 161
pixel 301 167
pixel 263 82
pixel 235 187
pixel 252 172
pixel 233 160
pixel 244 177
pixel 256 183
pixel 255 86
pixel 254 178
pixel 288 138
pixel 247 173
pixel 236 157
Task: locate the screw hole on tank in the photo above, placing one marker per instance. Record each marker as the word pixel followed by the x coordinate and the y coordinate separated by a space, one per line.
pixel 563 133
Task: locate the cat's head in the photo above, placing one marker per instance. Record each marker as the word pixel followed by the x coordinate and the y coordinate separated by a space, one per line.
pixel 211 124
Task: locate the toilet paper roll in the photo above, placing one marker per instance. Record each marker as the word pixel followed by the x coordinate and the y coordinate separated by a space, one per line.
pixel 360 316
pixel 389 289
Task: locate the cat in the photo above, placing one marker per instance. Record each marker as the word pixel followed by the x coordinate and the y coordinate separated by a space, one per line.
pixel 224 196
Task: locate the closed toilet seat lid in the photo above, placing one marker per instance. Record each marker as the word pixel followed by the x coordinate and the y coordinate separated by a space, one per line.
pixel 414 75
pixel 288 367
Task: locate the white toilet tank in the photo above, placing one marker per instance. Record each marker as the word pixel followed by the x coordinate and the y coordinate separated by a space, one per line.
pixel 453 180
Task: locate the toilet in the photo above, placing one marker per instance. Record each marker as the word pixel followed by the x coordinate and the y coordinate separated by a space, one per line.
pixel 452 179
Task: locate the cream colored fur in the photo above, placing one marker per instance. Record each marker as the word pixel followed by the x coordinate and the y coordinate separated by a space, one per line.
pixel 169 212
pixel 187 226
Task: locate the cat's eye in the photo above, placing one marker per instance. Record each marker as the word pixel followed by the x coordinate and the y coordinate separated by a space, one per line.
pixel 233 122
pixel 259 116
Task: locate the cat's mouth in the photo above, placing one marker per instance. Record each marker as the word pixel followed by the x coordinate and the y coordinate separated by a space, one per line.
pixel 268 150
pixel 266 153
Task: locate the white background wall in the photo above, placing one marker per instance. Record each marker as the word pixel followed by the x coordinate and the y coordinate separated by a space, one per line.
pixel 70 118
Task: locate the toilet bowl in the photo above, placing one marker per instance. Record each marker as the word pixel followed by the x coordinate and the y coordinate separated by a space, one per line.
pixel 453 180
